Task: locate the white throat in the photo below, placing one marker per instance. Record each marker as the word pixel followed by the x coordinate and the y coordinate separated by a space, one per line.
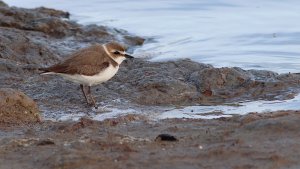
pixel 119 60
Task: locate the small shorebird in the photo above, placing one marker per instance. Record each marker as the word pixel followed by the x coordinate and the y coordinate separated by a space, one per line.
pixel 90 66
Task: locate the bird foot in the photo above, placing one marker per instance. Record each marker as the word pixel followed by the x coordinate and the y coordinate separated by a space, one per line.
pixel 92 104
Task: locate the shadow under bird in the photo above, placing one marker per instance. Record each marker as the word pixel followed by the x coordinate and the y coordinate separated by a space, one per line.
pixel 90 66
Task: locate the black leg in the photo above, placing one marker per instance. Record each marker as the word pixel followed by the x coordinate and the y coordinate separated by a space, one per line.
pixel 84 93
pixel 90 94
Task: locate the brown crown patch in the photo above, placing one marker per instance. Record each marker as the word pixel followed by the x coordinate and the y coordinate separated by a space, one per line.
pixel 115 46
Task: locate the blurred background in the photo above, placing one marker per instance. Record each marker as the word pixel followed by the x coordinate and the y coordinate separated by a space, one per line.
pixel 249 34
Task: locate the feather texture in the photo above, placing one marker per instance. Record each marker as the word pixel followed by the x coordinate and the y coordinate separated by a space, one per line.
pixel 88 61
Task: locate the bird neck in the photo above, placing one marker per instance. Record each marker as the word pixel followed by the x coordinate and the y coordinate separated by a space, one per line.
pixel 119 60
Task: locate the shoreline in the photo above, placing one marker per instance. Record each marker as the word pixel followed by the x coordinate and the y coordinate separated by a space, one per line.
pixel 32 38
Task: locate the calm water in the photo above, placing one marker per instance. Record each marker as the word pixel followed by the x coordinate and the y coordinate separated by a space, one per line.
pixel 259 34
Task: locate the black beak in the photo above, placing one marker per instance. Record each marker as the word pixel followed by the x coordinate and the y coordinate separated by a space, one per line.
pixel 128 56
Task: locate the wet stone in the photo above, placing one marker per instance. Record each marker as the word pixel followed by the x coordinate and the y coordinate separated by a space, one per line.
pixel 166 137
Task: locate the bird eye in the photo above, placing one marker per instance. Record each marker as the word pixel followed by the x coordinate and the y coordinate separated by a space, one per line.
pixel 116 52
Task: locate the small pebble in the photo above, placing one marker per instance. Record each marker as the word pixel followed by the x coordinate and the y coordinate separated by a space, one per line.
pixel 45 142
pixel 165 137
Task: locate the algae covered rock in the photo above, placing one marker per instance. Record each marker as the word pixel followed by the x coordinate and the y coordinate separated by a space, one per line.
pixel 17 108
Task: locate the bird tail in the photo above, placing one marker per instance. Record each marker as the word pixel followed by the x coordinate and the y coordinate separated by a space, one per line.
pixel 34 68
pixel 44 71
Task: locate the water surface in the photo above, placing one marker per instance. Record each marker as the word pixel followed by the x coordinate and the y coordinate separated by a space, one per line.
pixel 257 34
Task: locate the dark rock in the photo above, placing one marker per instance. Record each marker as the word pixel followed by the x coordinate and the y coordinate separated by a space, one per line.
pixel 263 75
pixel 134 40
pixel 53 12
pixel 219 78
pixel 184 82
pixel 40 19
pixel 165 137
pixel 52 22
pixel 17 108
pixel 45 142
pixel 54 27
pixel 153 83
pixel 96 33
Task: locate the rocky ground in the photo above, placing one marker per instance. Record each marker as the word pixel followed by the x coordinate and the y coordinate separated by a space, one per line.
pixel 33 38
pixel 253 141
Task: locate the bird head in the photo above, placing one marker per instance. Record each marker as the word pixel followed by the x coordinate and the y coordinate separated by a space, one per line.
pixel 117 52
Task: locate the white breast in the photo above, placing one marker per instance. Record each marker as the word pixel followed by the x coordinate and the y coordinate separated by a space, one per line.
pixel 101 77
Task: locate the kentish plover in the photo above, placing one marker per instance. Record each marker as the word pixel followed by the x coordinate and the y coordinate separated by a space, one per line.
pixel 90 66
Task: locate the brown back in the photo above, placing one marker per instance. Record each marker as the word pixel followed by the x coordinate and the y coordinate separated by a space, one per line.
pixel 88 61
